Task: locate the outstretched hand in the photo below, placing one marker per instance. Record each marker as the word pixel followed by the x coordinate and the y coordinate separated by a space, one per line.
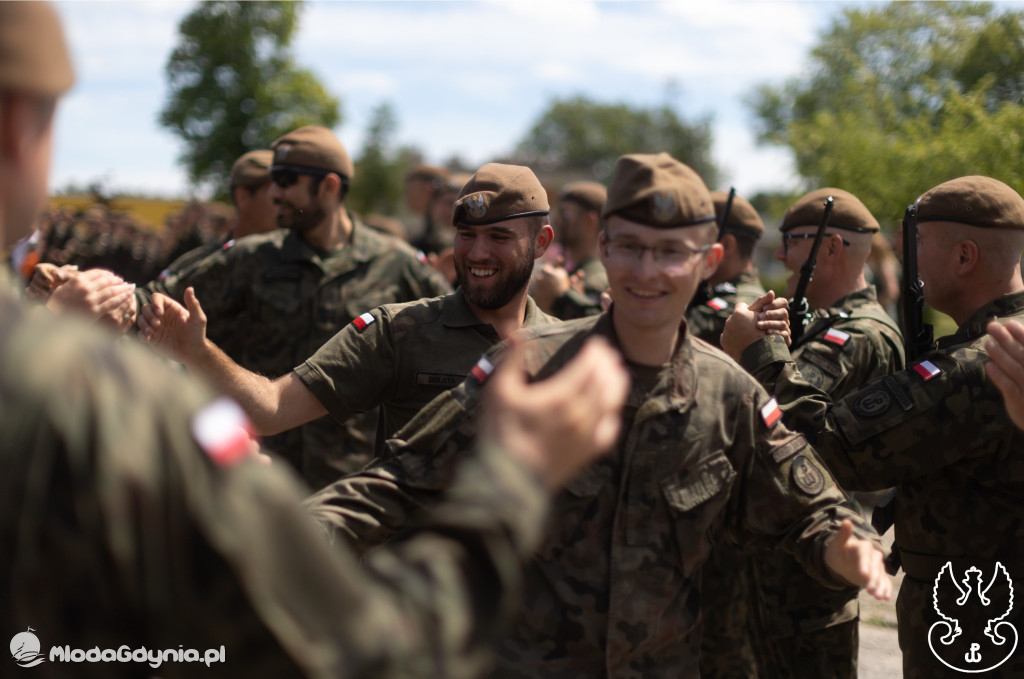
pixel 178 332
pixel 97 294
pixel 1005 348
pixel 858 562
pixel 765 316
pixel 561 424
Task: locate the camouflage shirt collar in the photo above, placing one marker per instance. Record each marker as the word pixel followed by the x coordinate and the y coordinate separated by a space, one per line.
pixel 358 249
pixel 974 326
pixel 455 313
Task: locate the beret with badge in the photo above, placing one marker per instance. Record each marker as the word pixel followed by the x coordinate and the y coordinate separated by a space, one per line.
pixel 33 53
pixel 975 201
pixel 312 148
pixel 657 190
pixel 252 169
pixel 589 195
pixel 497 192
pixel 848 213
pixel 742 215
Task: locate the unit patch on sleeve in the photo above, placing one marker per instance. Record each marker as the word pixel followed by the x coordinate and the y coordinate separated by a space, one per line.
pixel 770 413
pixel 927 370
pixel 482 370
pixel 363 321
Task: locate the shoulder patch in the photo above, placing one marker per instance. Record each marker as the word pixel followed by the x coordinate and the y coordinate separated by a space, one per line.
pixel 363 321
pixel 227 246
pixel 807 476
pixel 927 370
pixel 717 303
pixel 482 370
pixel 837 337
pixel 725 288
pixel 223 431
pixel 872 403
pixel 770 413
pixel 420 255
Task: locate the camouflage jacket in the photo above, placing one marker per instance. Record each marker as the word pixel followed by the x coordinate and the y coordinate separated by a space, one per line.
pixel 400 356
pixel 572 304
pixel 707 320
pixel 271 301
pixel 615 587
pixel 117 528
pixel 939 433
pixel 843 347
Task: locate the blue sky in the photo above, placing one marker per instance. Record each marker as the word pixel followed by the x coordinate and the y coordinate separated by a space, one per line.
pixel 465 78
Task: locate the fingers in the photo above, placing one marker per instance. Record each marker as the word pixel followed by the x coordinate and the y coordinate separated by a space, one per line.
pixel 195 310
pixel 151 318
pixel 763 301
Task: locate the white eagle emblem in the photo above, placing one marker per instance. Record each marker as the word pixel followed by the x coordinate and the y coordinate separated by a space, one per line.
pixel 664 206
pixel 476 205
pixel 973 604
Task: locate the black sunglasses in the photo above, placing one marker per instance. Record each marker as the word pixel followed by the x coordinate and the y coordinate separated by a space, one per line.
pixel 285 177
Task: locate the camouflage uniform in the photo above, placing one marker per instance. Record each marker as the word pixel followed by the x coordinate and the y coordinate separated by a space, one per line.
pixel 707 320
pixel 615 588
pixel 939 432
pixel 116 529
pixel 272 300
pixel 804 629
pixel 400 356
pixel 572 304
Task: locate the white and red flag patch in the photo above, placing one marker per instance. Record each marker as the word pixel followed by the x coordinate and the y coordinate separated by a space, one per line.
pixel 927 370
pixel 482 370
pixel 717 303
pixel 223 430
pixel 837 336
pixel 770 413
pixel 363 321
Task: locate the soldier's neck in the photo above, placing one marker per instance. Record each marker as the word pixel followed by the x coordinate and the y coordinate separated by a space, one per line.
pixel 333 233
pixel 646 346
pixel 506 320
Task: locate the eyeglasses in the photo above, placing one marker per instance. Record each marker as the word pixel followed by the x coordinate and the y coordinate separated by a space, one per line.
pixel 285 177
pixel 786 237
pixel 628 251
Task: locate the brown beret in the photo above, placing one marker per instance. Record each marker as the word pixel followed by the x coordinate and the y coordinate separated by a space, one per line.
pixel 977 201
pixel 428 173
pixel 312 147
pixel 33 53
pixel 252 169
pixel 590 195
pixel 847 213
pixel 498 192
pixel 657 190
pixel 742 215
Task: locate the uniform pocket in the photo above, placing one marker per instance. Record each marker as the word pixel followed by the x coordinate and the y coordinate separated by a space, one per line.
pixel 696 496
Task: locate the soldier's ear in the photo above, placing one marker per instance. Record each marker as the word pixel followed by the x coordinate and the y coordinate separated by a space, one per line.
pixel 543 240
pixel 967 256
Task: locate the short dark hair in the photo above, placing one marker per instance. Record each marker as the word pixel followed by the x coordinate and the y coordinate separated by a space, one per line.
pixel 314 185
pixel 745 242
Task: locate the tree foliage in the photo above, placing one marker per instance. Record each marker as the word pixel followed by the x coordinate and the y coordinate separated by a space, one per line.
pixel 234 85
pixel 902 97
pixel 381 167
pixel 587 137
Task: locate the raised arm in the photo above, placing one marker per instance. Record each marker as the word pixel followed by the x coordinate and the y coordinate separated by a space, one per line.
pixel 179 332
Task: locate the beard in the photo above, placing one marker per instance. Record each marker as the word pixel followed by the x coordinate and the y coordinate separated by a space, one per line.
pixel 510 282
pixel 301 220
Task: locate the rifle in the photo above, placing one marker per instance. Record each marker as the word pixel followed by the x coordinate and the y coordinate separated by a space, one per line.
pixel 917 335
pixel 704 292
pixel 799 311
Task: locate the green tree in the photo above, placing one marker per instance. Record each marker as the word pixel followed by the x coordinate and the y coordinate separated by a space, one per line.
pixel 234 85
pixel 381 167
pixel 902 97
pixel 587 137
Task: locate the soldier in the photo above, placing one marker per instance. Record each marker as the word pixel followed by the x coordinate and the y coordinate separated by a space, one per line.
pixel 804 629
pixel 939 432
pixel 735 280
pixel 579 223
pixel 273 299
pixel 615 589
pixel 398 356
pixel 422 182
pixel 132 519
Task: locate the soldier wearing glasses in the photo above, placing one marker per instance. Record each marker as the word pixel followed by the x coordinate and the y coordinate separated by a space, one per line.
pixel 615 589
pixel 273 299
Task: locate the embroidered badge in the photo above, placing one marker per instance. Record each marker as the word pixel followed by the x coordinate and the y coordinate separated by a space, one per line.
pixel 807 476
pixel 476 205
pixel 664 206
pixel 770 413
pixel 482 370
pixel 223 431
pixel 837 336
pixel 363 321
pixel 872 403
pixel 927 370
pixel 227 246
pixel 281 152
pixel 717 303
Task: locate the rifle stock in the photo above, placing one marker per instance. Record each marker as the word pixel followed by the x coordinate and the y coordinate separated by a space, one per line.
pixel 799 311
pixel 917 335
